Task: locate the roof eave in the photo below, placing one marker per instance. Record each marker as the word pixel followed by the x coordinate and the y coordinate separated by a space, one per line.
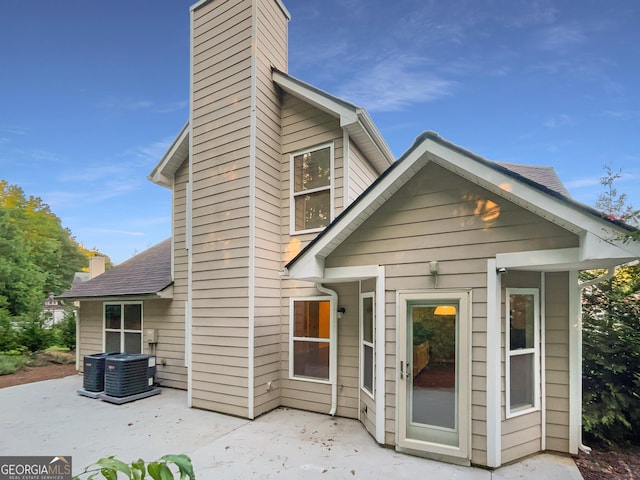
pixel 354 119
pixel 163 173
pixel 429 146
pixel 164 294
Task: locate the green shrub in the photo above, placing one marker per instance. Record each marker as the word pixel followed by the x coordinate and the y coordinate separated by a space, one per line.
pixel 10 363
pixel 64 332
pixel 111 467
pixel 8 333
pixel 611 362
pixel 33 335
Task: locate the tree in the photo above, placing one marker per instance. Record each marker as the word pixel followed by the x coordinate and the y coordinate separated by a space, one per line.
pixel 615 205
pixel 611 339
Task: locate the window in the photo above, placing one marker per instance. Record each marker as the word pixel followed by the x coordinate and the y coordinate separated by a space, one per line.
pixel 311 189
pixel 310 342
pixel 522 345
pixel 367 335
pixel 123 327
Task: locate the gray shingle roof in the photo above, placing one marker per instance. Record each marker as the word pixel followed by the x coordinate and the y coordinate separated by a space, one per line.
pixel 147 273
pixel 546 176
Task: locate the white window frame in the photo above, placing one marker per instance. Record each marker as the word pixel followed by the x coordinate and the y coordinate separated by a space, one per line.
pixel 122 330
pixel 293 194
pixel 535 351
pixel 364 343
pixel 292 338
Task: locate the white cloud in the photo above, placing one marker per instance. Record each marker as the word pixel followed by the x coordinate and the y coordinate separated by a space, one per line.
pixel 395 83
pixel 583 182
pixel 128 104
pixel 562 120
pixel 13 130
pixel 108 231
pixel 561 38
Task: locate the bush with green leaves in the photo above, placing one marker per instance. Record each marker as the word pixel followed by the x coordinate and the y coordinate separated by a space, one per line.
pixel 166 468
pixel 64 332
pixel 611 359
pixel 11 362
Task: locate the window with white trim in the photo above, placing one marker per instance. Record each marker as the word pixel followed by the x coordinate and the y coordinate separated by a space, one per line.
pixel 311 189
pixel 523 350
pixel 367 343
pixel 123 327
pixel 310 338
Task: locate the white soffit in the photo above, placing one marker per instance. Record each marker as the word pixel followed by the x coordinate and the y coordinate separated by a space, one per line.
pixel 177 153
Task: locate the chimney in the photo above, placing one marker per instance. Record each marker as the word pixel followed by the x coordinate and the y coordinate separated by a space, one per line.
pixel 96 266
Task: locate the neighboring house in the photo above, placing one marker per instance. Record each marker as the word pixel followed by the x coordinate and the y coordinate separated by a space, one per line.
pixel 53 311
pixel 435 298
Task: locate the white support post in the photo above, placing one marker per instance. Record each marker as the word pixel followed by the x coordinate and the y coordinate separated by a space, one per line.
pixel 494 427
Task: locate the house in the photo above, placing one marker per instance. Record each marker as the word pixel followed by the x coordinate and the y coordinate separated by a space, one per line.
pixel 435 297
pixel 52 310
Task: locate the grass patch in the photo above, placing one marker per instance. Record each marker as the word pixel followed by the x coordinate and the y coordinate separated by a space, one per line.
pixel 12 363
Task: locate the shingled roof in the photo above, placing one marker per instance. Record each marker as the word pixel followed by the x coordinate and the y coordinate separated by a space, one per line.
pixel 546 176
pixel 147 273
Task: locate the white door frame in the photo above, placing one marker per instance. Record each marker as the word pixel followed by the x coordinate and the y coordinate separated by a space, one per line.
pixel 463 450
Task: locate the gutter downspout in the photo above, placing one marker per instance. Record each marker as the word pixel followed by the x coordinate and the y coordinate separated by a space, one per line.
pixel 607 276
pixel 333 336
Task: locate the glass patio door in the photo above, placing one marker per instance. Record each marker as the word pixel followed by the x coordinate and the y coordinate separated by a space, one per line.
pixel 434 373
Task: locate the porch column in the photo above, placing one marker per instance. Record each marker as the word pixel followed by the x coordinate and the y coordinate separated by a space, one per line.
pixel 380 355
pixel 494 427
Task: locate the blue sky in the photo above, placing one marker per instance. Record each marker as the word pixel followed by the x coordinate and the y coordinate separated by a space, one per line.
pixel 92 93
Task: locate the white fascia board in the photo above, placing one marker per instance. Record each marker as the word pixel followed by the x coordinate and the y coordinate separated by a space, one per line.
pixel 553 209
pixel 593 247
pixel 538 259
pixel 350 274
pixel 307 266
pixel 199 4
pixel 163 172
pixel 374 134
pixel 319 100
pixel 593 253
pixel 311 268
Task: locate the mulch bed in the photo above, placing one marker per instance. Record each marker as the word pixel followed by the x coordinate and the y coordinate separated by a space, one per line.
pixel 601 464
pixel 37 374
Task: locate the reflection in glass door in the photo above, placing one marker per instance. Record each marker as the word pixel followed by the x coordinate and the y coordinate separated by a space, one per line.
pixel 432 377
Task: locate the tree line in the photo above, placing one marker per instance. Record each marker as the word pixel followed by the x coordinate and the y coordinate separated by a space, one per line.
pixel 37 256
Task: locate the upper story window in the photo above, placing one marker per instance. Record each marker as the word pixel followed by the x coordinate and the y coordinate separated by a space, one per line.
pixel 311 189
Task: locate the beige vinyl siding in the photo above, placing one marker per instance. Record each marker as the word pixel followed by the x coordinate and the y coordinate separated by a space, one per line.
pixel 167 317
pixel 316 397
pixel 348 349
pixel 271 51
pixel 361 172
pixel 304 395
pixel 460 225
pixel 90 326
pixel 222 38
pixel 303 126
pixel 158 314
pixel 557 361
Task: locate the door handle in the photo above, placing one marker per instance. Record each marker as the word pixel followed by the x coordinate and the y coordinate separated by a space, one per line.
pixel 404 374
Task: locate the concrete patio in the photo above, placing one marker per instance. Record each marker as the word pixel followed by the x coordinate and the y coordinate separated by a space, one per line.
pixel 49 418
